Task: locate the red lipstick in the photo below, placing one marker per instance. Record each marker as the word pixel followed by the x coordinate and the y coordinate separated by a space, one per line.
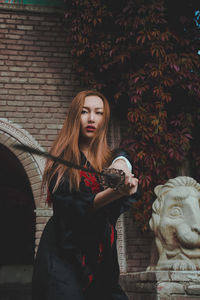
pixel 90 128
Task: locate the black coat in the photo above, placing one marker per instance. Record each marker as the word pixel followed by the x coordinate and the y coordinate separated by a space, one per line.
pixel 77 255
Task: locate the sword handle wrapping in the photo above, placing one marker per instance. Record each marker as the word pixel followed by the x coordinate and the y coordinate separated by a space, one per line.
pixel 113 178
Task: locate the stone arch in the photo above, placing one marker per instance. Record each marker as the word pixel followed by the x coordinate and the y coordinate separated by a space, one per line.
pixel 17 217
pixel 10 134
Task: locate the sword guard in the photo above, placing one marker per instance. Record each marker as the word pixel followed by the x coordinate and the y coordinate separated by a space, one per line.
pixel 113 178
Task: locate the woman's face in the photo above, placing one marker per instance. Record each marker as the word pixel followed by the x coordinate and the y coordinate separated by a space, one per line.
pixel 91 116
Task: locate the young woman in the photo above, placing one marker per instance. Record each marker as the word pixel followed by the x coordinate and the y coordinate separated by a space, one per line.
pixel 77 257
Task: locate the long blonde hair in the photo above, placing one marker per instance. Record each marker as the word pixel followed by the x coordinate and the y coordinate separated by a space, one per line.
pixel 66 144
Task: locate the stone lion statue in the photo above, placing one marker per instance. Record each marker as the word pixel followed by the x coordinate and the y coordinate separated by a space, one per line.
pixel 176 223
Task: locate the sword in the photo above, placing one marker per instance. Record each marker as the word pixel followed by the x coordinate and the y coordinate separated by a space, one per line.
pixel 109 177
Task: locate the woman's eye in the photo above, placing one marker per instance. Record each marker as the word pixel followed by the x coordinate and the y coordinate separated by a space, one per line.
pixel 99 113
pixel 84 112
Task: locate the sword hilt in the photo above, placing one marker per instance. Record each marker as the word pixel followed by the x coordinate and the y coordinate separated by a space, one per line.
pixel 113 178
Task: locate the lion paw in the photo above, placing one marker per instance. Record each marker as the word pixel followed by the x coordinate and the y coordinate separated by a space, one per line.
pixel 183 266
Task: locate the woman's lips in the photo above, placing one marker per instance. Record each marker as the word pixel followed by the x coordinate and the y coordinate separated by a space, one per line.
pixel 90 128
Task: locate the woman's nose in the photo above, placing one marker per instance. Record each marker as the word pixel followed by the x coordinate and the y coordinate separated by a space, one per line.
pixel 91 117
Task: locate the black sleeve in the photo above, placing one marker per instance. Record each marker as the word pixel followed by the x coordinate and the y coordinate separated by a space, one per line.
pixel 72 210
pixel 79 202
pixel 117 207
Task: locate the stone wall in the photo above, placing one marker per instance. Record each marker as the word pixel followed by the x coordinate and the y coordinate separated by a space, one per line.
pixel 138 245
pixel 162 285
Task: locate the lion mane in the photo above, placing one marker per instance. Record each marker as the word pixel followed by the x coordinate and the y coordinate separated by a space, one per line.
pixel 160 192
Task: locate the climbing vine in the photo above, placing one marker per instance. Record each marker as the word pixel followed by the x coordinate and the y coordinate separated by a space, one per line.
pixel 143 55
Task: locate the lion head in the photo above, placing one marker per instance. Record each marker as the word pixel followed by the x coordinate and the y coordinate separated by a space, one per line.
pixel 176 219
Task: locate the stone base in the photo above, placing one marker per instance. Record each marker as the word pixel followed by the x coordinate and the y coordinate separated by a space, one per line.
pixel 161 285
pixel 15 282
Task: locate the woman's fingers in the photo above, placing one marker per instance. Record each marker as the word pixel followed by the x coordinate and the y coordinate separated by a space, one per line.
pixel 130 180
pixel 130 185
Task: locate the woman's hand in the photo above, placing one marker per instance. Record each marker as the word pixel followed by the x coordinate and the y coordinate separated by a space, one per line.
pixel 131 183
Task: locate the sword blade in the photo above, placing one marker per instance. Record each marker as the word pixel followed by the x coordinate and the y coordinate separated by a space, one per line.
pixel 56 159
pixel 109 177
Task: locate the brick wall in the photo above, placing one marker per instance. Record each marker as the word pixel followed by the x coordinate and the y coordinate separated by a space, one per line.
pixel 37 84
pixel 138 245
pixel 36 78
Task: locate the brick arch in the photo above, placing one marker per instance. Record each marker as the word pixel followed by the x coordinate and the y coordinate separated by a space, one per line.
pixel 11 133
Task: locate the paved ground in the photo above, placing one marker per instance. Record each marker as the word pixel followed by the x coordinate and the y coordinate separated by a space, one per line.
pixel 15 292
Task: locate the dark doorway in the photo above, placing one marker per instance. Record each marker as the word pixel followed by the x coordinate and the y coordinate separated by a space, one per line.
pixel 17 218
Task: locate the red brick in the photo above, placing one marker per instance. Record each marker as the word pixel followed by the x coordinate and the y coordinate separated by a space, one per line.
pixel 10 63
pixel 31 48
pixel 35 92
pixel 41 98
pixel 7 97
pixel 24 27
pixel 4 16
pixel 4 79
pixel 13 86
pixel 12 36
pixel 14 114
pixel 4 31
pixel 39 126
pixel 29 86
pixel 51 137
pixel 9 52
pixel 35 69
pixel 2 102
pixel 53 104
pixel 19 17
pixel 8 42
pixel 24 109
pixel 3 56
pixel 17 32
pixel 36 18
pixel 42 220
pixel 40 109
pixel 15 103
pixel 18 69
pixel 35 104
pixel 36 80
pixel 25 42
pixel 23 64
pixel 18 80
pixel 26 74
pixel 17 57
pixel 15 92
pixel 26 53
pixel 44 75
pixel 15 47
pixel 15 22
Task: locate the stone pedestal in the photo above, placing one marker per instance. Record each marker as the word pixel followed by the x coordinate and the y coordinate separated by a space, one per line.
pixel 162 285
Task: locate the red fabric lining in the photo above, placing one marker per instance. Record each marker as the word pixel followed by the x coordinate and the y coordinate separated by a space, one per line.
pixel 112 236
pixel 83 260
pixel 100 255
pixel 48 200
pixel 91 181
pixel 90 278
